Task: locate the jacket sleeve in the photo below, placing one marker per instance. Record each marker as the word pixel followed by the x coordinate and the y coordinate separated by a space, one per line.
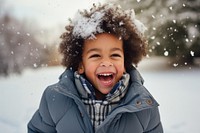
pixel 41 121
pixel 154 125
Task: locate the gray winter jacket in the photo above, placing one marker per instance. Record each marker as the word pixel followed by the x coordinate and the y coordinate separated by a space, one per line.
pixel 62 111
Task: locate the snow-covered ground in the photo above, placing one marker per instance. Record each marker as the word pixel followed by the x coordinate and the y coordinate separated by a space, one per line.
pixel 176 90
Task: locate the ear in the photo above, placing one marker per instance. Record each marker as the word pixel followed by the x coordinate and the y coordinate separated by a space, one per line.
pixel 81 69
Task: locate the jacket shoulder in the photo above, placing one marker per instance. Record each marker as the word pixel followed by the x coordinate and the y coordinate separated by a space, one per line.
pixel 150 120
pixel 138 93
pixel 56 103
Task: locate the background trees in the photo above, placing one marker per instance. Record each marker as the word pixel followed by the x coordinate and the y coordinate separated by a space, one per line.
pixel 20 45
pixel 173 31
pixel 173 27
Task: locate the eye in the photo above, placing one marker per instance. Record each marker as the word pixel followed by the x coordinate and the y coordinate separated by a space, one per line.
pixel 94 56
pixel 115 55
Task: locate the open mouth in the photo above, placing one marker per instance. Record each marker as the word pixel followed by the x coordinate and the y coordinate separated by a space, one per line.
pixel 106 78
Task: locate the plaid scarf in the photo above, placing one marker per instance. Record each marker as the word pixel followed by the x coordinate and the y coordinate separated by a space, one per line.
pixel 99 109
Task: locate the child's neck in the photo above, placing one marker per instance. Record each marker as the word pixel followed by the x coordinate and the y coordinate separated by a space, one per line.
pixel 99 95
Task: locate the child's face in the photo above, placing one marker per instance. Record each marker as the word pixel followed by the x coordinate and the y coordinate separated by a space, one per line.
pixel 103 62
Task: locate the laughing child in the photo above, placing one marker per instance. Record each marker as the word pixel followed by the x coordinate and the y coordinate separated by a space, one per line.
pixel 100 91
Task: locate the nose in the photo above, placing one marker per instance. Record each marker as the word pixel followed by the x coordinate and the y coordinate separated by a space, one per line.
pixel 106 64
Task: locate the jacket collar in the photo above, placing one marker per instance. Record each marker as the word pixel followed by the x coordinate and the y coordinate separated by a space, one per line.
pixel 66 81
pixel 135 76
pixel 137 97
pixel 87 91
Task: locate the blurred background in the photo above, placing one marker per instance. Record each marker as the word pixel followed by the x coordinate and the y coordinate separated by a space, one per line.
pixel 29 58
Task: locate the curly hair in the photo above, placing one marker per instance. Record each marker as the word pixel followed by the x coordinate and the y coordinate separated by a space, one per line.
pixel 107 18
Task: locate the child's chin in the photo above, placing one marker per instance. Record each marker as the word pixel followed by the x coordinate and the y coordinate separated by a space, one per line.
pixel 105 91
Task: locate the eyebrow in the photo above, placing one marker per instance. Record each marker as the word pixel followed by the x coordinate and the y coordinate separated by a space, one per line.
pixel 93 49
pixel 96 49
pixel 117 49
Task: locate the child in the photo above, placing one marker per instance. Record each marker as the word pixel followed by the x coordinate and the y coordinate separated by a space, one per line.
pixel 100 91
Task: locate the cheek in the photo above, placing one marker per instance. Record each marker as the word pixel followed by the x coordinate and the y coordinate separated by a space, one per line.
pixel 120 67
pixel 90 69
pixel 121 71
pixel 89 66
pixel 90 73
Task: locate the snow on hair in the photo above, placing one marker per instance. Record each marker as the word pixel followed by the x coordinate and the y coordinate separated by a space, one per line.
pixel 86 27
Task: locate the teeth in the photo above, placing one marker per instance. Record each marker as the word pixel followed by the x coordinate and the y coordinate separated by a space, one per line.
pixel 105 74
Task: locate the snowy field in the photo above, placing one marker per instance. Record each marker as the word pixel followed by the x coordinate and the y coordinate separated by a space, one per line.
pixel 176 90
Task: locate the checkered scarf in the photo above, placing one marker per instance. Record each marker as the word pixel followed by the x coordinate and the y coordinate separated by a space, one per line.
pixel 99 109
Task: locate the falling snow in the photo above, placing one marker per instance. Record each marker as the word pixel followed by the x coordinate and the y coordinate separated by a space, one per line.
pixel 191 53
pixel 35 65
pixel 166 53
pixel 175 64
pixel 153 37
pixel 158 43
pixel 28 34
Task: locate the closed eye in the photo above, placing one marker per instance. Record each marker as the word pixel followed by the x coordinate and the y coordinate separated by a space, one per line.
pixel 94 56
pixel 115 55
